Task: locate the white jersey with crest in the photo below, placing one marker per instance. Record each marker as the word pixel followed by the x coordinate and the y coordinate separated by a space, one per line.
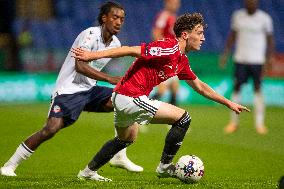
pixel 251 35
pixel 69 81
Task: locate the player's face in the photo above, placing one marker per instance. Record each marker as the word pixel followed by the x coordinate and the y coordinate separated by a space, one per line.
pixel 251 5
pixel 195 39
pixel 173 5
pixel 114 20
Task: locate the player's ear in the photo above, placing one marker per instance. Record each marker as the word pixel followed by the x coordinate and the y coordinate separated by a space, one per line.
pixel 184 35
pixel 104 18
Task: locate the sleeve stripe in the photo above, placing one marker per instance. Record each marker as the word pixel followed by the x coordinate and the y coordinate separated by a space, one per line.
pixel 170 50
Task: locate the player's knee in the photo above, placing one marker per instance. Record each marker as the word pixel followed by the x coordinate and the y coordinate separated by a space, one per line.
pixel 237 87
pixel 108 107
pixel 129 138
pixel 256 87
pixel 183 122
pixel 128 133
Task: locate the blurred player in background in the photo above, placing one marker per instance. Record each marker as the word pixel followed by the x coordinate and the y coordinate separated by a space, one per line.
pixel 76 89
pixel 252 31
pixel 163 28
pixel 156 62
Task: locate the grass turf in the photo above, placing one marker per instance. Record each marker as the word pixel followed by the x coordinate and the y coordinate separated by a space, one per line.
pixel 241 160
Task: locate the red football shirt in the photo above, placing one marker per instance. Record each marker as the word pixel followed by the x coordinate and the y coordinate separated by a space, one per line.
pixel 166 22
pixel 160 60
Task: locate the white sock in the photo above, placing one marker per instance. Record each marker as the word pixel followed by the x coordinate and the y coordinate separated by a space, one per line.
pixel 122 153
pixel 236 97
pixel 22 153
pixel 259 109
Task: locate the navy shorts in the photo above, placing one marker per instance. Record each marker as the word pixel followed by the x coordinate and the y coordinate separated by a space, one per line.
pixel 70 106
pixel 244 71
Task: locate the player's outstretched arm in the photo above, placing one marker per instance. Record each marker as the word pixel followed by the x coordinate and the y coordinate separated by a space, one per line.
pixel 85 55
pixel 206 91
pixel 85 69
pixel 228 46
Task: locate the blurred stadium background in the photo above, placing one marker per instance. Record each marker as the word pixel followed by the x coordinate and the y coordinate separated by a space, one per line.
pixel 35 36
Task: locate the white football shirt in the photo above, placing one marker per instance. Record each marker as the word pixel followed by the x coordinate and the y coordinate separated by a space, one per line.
pixel 251 35
pixel 69 81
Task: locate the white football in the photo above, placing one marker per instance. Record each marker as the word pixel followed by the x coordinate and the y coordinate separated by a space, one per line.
pixel 189 168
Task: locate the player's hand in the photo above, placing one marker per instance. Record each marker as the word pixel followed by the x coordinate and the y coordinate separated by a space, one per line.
pixel 82 54
pixel 114 80
pixel 223 61
pixel 237 107
pixel 268 64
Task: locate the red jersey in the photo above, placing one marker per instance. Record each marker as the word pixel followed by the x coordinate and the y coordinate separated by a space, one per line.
pixel 165 21
pixel 160 60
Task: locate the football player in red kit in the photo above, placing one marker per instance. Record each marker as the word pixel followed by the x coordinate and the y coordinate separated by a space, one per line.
pixel 155 63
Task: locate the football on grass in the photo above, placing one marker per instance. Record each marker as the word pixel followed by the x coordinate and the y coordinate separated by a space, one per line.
pixel 189 169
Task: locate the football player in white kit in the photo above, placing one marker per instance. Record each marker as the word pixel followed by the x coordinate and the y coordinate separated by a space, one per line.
pixel 76 90
pixel 252 32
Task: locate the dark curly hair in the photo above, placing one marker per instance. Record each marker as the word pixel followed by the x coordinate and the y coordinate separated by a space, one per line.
pixel 105 9
pixel 188 22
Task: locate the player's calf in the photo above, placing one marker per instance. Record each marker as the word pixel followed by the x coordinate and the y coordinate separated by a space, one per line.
pixel 174 138
pixel 107 152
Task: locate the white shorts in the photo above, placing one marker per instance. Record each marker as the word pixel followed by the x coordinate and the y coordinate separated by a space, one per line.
pixel 128 110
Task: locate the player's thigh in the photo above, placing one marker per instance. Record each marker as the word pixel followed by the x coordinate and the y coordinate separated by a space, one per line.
pixel 129 110
pixel 241 74
pixel 54 124
pixel 67 107
pixel 167 114
pixel 107 106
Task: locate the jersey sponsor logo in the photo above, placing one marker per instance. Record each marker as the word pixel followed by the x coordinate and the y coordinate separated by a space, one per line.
pixel 171 69
pixel 155 51
pixel 168 71
pixel 176 69
pixel 162 75
pixel 169 66
pixel 56 109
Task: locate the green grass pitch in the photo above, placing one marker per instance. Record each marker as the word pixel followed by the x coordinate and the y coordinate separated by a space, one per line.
pixel 241 160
